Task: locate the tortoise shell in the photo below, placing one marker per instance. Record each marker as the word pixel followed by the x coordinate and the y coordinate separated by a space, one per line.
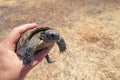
pixel 38 39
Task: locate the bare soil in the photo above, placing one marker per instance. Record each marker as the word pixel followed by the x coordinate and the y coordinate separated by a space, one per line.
pixel 91 29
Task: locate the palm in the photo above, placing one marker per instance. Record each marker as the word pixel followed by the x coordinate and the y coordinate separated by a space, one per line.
pixel 11 64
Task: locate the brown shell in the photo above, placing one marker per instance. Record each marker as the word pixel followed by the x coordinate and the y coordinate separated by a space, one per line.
pixel 26 36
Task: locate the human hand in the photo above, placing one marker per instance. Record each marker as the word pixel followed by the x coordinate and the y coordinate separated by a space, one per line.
pixel 11 67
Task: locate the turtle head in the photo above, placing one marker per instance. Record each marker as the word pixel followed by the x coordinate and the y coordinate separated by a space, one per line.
pixel 51 34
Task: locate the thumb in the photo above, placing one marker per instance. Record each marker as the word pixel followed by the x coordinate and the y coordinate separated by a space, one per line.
pixel 39 57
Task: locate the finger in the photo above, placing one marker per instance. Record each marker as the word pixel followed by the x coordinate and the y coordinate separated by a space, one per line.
pixel 39 57
pixel 16 32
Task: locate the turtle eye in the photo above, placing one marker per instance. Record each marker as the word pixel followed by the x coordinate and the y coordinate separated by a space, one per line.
pixel 54 36
pixel 40 38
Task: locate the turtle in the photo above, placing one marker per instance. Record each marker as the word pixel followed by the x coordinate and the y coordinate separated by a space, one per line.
pixel 38 39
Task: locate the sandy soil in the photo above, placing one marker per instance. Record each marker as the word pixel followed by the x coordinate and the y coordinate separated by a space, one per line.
pixel 90 28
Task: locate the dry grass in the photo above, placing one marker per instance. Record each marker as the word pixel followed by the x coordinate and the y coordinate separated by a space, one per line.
pixel 91 30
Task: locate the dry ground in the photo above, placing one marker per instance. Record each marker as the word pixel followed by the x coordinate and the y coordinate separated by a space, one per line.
pixel 91 29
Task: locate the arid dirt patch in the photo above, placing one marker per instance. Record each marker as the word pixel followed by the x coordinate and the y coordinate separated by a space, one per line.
pixel 91 29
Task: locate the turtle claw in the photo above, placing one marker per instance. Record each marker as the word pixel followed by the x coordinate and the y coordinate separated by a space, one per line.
pixel 49 60
pixel 62 51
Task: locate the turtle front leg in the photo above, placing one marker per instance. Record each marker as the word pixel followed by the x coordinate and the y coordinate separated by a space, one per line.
pixel 49 60
pixel 27 57
pixel 61 44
